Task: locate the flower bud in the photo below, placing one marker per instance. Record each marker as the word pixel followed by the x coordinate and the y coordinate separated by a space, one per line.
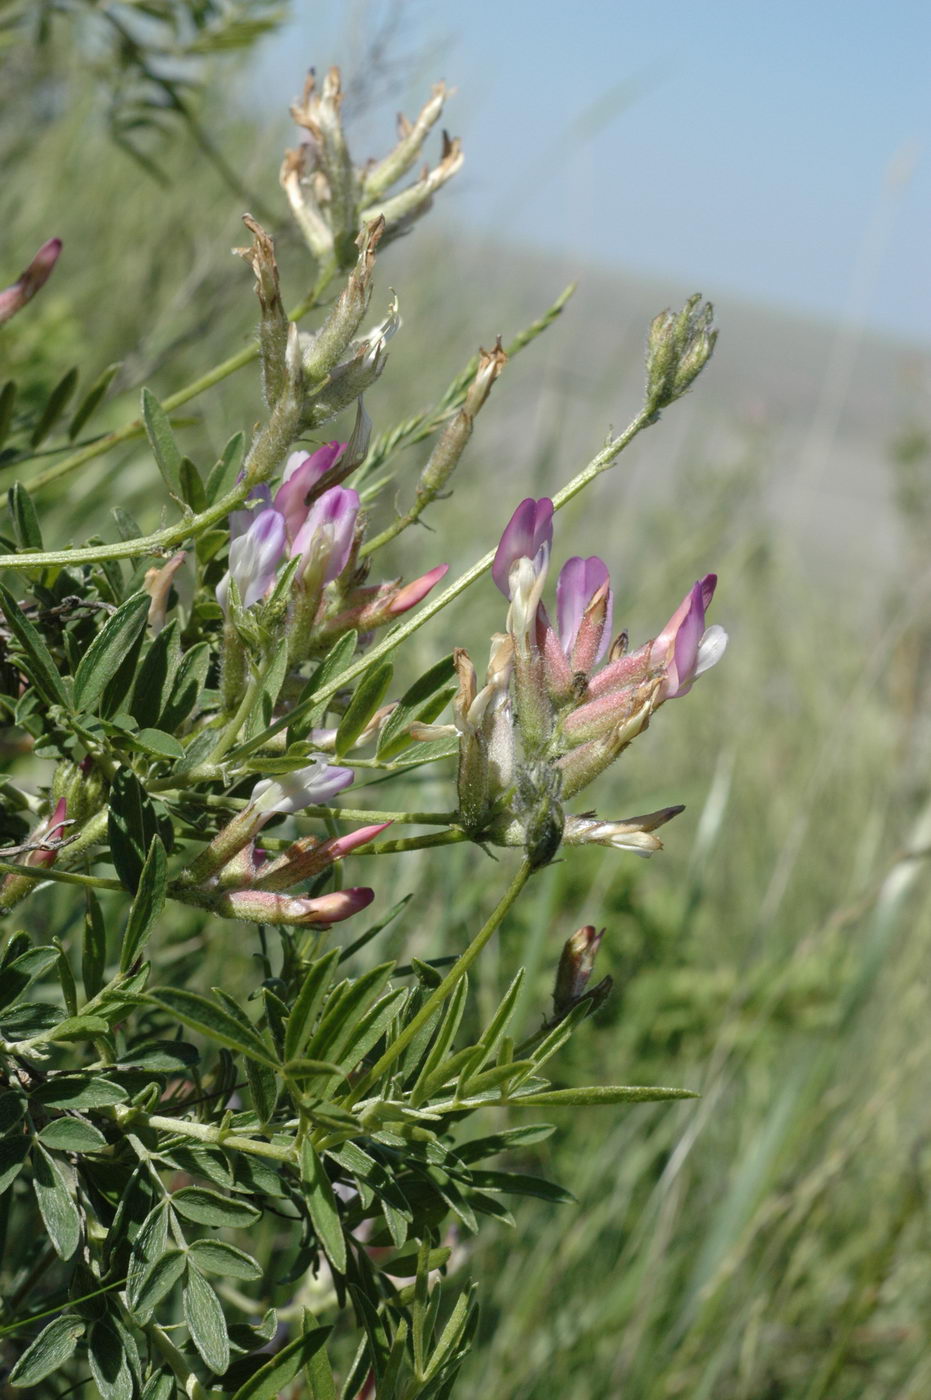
pixel 265 907
pixel 273 324
pixel 158 584
pixel 325 349
pixel 36 275
pixel 678 348
pixel 576 965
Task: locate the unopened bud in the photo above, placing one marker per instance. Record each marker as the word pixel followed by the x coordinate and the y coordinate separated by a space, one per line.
pixel 329 343
pixel 575 968
pixel 273 325
pixel 36 275
pixel 678 348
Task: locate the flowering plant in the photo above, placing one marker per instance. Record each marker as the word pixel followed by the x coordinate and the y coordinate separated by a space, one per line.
pixel 189 705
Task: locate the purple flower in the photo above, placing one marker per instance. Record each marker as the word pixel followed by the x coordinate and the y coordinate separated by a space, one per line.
pixel 580 582
pixel 685 647
pixel 240 520
pixel 325 538
pixel 254 557
pixel 304 787
pixel 301 475
pixel 527 535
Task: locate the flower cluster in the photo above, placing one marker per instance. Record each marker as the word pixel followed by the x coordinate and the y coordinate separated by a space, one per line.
pixel 316 524
pixel 548 721
pixel 235 878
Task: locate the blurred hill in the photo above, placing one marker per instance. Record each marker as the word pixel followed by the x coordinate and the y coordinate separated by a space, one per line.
pixel 818 407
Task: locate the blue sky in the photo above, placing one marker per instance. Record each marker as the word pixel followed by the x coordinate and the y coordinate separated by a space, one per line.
pixel 778 152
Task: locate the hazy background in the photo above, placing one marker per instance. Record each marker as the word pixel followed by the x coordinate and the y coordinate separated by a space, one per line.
pixel 775 158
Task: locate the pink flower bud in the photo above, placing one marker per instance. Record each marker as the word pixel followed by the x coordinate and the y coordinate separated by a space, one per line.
pixel 309 857
pixel 38 272
pixel 49 833
pixel 584 610
pixel 415 592
pixel 265 907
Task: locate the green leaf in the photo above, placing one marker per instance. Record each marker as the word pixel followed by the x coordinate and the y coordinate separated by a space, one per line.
pixel 155 677
pixel 212 1020
pixel 54 407
pixel 91 399
pixel 14 1149
pixel 161 440
pixel 93 946
pixel 147 905
pixel 222 476
pixel 16 976
pixel 366 699
pixel 206 1207
pixel 192 487
pixel 72 1135
pixel 37 660
pixel 270 1380
pixel 26 529
pixel 154 1282
pixel 205 1322
pixel 597 1094
pixel 7 405
pixel 319 1372
pixel 80 1091
pixel 104 656
pixel 394 736
pixel 109 1362
pixel 216 1257
pixel 49 1351
pixel 159 1386
pixel 478 1148
pixel 56 1205
pixel 187 689
pixel 157 743
pixel 343 1011
pixel 306 713
pixel 308 1002
pixel 132 827
pixel 517 1184
pixel 321 1204
pixel 78 1028
pixel 148 1248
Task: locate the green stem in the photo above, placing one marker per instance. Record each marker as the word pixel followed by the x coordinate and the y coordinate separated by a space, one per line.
pixel 190 391
pixel 414 843
pixel 204 1132
pixel 436 999
pixel 64 877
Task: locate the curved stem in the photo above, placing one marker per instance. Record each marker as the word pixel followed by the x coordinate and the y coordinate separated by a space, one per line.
pixel 436 999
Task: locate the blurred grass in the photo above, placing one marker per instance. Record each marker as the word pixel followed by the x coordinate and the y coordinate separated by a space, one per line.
pixel 769 1240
